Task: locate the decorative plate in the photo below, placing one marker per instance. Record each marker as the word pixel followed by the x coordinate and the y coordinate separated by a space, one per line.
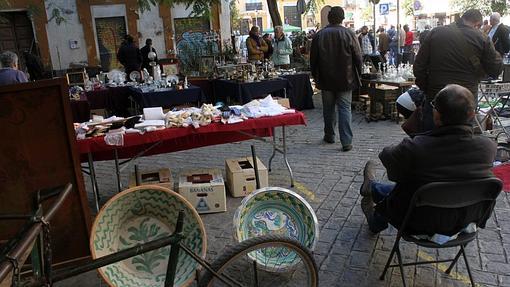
pixel 139 215
pixel 135 76
pixel 275 210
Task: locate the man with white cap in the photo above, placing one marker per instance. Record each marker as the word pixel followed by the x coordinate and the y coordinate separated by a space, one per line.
pixel 499 34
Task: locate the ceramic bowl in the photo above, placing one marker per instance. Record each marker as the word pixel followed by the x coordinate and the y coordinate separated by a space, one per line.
pixel 139 215
pixel 275 210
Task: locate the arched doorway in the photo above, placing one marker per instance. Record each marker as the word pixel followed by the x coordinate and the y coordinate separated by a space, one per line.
pixel 324 16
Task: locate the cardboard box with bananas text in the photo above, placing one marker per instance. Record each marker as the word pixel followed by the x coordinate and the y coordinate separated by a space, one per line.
pixel 204 189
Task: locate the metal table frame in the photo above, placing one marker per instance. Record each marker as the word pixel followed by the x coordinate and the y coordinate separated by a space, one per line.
pixel 122 165
pixel 498 97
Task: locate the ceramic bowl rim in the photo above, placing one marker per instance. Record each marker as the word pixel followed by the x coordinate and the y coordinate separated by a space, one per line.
pixel 245 201
pixel 135 189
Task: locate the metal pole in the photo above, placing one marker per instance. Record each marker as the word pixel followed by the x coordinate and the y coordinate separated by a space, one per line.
pixel 174 252
pixel 255 167
pixel 373 47
pixel 398 31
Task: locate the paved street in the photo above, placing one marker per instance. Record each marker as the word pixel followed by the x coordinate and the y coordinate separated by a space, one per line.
pixel 347 253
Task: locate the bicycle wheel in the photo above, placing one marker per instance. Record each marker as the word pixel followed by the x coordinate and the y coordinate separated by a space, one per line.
pixel 270 260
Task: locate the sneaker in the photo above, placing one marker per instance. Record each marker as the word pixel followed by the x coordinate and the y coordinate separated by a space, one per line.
pixel 368 178
pixel 329 140
pixel 347 147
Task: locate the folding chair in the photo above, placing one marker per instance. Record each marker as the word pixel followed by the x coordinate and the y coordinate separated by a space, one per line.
pixel 447 196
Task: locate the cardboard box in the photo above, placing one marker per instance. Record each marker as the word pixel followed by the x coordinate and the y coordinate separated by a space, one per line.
pixel 204 189
pixel 162 177
pixel 283 102
pixel 241 175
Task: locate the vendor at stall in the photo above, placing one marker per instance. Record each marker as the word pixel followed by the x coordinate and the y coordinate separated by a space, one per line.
pixel 282 48
pixel 256 45
pixel 9 73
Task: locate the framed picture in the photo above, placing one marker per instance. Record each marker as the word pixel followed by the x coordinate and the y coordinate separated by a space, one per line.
pixel 170 69
pixel 169 66
pixel 75 79
pixel 206 64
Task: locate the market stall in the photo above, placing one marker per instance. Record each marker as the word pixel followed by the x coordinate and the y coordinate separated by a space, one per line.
pixel 243 92
pixel 300 96
pixel 167 97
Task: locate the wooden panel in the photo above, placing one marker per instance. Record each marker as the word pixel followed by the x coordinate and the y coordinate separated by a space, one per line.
pixel 37 150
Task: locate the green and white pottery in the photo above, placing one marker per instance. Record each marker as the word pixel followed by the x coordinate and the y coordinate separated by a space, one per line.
pixel 139 215
pixel 275 210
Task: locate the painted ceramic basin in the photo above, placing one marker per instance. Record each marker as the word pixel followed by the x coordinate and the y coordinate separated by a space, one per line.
pixel 140 215
pixel 275 210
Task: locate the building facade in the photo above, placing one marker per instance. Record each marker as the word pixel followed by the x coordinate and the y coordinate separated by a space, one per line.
pixel 68 33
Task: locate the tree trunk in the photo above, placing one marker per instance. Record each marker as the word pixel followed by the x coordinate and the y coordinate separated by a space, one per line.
pixel 276 19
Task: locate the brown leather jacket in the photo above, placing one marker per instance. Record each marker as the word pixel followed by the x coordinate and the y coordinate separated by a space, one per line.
pixel 334 58
pixel 255 54
pixel 441 59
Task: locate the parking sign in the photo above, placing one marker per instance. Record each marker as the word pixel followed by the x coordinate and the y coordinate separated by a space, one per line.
pixel 384 9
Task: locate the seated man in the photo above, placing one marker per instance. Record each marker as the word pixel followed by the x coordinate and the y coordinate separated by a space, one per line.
pixel 450 152
pixel 9 73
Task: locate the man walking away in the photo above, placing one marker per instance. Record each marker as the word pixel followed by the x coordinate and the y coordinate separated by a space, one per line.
pixel 129 56
pixel 335 61
pixel 393 35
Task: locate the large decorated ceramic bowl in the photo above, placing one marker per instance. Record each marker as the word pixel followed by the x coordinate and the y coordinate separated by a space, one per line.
pixel 139 215
pixel 275 210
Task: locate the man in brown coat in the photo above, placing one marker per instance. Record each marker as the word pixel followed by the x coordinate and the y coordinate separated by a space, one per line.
pixel 384 43
pixel 256 45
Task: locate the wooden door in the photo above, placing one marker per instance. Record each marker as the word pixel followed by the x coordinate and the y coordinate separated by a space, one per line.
pixel 16 34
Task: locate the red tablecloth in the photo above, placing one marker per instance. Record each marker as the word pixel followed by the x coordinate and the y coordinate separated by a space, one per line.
pixel 176 139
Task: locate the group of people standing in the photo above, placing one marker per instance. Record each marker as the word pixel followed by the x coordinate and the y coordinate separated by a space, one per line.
pixel 278 49
pixel 134 59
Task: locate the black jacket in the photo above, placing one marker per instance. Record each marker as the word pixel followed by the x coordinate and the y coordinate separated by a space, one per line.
pixel 130 57
pixel 501 39
pixel 450 153
pixel 334 58
pixel 441 59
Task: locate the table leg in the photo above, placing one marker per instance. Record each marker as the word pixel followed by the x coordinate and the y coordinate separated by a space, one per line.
pixel 274 150
pixel 117 170
pixel 285 157
pixel 284 92
pixel 93 180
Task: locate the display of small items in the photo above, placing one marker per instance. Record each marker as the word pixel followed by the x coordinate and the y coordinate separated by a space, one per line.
pixel 249 72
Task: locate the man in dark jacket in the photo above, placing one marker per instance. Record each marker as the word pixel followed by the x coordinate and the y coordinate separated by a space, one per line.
pixel 455 54
pixel 145 50
pixel 450 152
pixel 499 34
pixel 335 60
pixel 129 56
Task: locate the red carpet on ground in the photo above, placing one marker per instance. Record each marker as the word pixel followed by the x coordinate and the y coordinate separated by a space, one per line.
pixel 503 173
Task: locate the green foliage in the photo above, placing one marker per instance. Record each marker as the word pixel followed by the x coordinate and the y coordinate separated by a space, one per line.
pixel 313 6
pixel 408 7
pixel 234 16
pixel 198 7
pixel 485 6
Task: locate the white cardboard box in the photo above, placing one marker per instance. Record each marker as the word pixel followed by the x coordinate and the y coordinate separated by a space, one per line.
pixel 161 177
pixel 204 189
pixel 241 175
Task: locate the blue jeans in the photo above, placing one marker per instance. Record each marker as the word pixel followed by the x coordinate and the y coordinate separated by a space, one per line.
pixel 342 102
pixel 380 191
pixel 393 57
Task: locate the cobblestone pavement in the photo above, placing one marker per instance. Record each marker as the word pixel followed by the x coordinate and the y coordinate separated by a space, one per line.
pixel 347 253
